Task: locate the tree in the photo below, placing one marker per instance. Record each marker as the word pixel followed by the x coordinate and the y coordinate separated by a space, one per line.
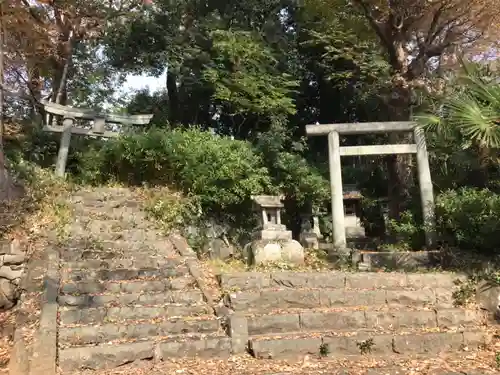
pixel 418 35
pixel 468 112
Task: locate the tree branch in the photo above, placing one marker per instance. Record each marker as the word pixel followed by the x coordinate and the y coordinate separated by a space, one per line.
pixel 377 26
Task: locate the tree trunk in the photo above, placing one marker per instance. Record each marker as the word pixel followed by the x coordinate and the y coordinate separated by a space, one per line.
pixel 7 188
pixel 173 99
pixel 64 74
pixel 398 166
pixel 61 75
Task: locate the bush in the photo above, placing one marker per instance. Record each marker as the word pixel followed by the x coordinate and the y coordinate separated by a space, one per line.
pixel 468 218
pixel 220 172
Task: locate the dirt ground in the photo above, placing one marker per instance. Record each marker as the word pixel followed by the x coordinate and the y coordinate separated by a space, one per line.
pixel 478 363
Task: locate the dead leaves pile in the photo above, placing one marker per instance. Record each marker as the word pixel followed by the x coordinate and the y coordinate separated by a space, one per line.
pixel 483 362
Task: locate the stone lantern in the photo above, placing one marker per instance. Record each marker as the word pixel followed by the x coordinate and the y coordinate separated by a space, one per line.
pixel 270 214
pixel 272 242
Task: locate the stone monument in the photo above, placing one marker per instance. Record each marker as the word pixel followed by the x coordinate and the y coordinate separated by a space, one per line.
pixel 272 242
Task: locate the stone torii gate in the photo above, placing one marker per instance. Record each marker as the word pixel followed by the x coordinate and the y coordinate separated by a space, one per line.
pixel 70 114
pixel 335 151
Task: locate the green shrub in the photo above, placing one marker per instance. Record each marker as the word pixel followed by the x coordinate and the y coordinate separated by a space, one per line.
pixel 469 219
pixel 220 172
pixel 407 232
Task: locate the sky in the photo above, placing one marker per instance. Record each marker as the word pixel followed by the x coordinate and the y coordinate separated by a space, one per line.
pixel 138 82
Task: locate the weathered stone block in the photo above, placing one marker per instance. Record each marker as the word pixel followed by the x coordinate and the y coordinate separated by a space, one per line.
pixel 274 299
pixel 210 347
pixel 457 317
pixel 326 280
pixel 292 252
pixel 219 249
pixel 411 298
pixel 308 279
pixel 444 297
pixel 245 280
pixel 265 252
pixel 365 297
pixel 8 273
pixel 8 294
pixel 338 320
pixel 376 280
pixel 477 339
pixel 101 357
pixel 241 301
pixel 238 331
pixel 274 235
pixel 76 316
pixel 12 259
pixel 400 319
pixel 141 286
pixel 273 324
pixel 488 297
pixel 332 297
pixel 90 335
pixel 428 343
pixel 282 299
pixel 359 344
pixel 269 251
pixel 290 279
pixel 283 348
pixel 433 280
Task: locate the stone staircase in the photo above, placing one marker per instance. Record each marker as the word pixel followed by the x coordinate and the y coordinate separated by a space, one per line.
pixel 125 293
pixel 337 314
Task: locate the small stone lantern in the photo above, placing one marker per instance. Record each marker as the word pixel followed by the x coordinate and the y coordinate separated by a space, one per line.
pixel 271 227
pixel 273 242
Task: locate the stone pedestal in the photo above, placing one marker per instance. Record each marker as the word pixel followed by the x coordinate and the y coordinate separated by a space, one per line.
pixel 276 251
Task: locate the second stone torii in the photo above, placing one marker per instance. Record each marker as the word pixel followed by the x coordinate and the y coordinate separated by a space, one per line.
pixel 335 151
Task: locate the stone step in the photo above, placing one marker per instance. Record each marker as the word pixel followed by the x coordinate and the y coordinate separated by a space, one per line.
pixel 134 299
pixel 135 263
pixel 98 225
pixel 105 200
pixel 111 212
pixel 135 286
pixel 100 334
pixel 292 345
pixel 336 279
pixel 69 316
pixel 267 300
pixel 80 231
pixel 87 249
pixel 112 356
pixel 88 275
pixel 361 320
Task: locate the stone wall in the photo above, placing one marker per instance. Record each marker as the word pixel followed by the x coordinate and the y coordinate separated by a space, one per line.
pixel 12 263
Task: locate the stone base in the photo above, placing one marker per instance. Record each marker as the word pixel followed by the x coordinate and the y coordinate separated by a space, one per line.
pixel 355 232
pixel 272 235
pixel 265 251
